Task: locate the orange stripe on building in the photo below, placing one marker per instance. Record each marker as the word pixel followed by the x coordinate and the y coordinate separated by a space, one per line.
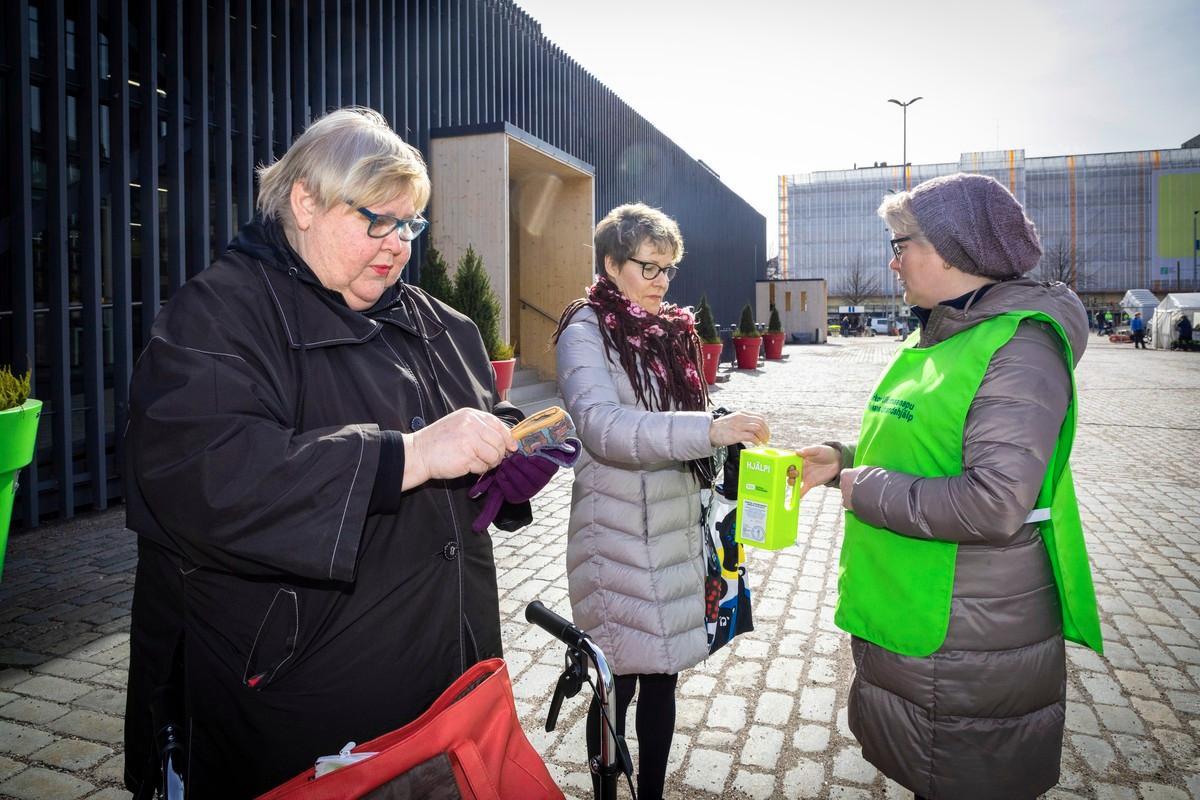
pixel 1012 171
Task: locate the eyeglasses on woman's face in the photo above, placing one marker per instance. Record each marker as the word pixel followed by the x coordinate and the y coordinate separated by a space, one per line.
pixel 650 270
pixel 381 226
pixel 897 250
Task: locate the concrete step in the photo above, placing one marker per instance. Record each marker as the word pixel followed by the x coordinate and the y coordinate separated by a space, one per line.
pixel 524 377
pixel 534 406
pixel 530 392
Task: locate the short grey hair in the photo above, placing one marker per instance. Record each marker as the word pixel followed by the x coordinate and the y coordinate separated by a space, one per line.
pixel 621 233
pixel 350 154
pixel 896 210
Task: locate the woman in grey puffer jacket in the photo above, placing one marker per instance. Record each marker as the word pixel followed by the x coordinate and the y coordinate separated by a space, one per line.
pixel 629 371
pixel 963 566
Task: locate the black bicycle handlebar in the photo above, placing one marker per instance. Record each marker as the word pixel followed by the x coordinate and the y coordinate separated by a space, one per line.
pixel 554 625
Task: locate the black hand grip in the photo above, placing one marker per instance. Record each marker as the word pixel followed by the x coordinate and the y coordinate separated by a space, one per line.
pixel 554 625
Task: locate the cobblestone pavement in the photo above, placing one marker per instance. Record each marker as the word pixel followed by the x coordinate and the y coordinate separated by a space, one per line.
pixel 766 716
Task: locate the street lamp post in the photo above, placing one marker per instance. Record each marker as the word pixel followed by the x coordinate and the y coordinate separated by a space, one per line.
pixel 904 156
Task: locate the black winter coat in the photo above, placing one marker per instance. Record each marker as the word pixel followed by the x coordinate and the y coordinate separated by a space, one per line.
pixel 289 598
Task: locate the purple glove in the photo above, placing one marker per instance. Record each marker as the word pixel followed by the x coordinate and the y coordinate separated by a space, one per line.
pixel 516 479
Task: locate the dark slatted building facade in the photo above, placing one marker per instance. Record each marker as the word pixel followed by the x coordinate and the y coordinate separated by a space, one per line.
pixel 129 133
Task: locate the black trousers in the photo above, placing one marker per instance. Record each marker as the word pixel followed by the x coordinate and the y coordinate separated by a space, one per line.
pixel 655 727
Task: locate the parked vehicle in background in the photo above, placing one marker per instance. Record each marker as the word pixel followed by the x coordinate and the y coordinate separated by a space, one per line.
pixel 880 326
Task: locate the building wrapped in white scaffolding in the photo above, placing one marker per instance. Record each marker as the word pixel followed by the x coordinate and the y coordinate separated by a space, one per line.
pixel 1109 222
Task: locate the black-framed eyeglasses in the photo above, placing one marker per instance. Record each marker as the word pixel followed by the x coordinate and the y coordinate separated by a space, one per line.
pixel 381 225
pixel 897 242
pixel 650 270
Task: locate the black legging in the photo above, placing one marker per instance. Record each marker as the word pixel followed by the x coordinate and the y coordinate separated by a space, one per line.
pixel 655 727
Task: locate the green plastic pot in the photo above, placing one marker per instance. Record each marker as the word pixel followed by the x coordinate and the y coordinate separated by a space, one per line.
pixel 18 434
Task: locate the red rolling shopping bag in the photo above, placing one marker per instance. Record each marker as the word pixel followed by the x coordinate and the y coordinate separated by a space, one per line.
pixel 468 744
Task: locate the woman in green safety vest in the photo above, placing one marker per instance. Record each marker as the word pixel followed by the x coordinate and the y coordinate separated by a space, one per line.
pixel 963 566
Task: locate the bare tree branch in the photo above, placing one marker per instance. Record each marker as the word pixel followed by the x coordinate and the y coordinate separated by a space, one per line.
pixel 860 283
pixel 1062 262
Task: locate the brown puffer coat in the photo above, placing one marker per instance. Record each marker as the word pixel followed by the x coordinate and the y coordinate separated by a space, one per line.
pixel 983 716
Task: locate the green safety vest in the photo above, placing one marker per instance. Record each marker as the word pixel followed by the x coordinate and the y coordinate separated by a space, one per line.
pixel 895 590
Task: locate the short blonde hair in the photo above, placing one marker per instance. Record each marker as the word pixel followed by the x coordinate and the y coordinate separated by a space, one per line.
pixel 350 154
pixel 621 233
pixel 897 213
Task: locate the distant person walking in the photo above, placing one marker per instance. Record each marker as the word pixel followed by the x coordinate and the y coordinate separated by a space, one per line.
pixel 1137 326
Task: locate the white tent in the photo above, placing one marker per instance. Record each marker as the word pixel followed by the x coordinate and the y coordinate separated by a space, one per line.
pixel 1167 315
pixel 1142 300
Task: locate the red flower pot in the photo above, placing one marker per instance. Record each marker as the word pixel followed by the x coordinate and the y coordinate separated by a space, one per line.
pixel 747 351
pixel 773 345
pixel 712 357
pixel 504 375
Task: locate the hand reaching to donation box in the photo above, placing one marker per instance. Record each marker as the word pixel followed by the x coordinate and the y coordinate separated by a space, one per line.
pixel 545 442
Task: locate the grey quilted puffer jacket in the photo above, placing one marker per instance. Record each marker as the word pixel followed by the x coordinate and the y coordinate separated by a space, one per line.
pixel 635 565
pixel 983 716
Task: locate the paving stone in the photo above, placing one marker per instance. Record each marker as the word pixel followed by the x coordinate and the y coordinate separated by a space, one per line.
pixel 1097 753
pixel 708 770
pixel 90 725
pixel 754 784
pixel 1139 753
pixel 1124 720
pixel 773 708
pixel 849 765
pixel 49 687
pixel 784 674
pixel 1157 791
pixel 32 710
pixel 727 712
pixel 1179 747
pixel 69 668
pixel 21 740
pixel 72 754
pixel 763 746
pixel 1155 713
pixel 806 779
pixel 1103 689
pixel 1082 718
pixel 699 685
pixel 111 793
pixel 8 768
pixel 37 783
pixel 811 738
pixel 837 792
pixel 816 703
pixel 108 701
pixel 1108 791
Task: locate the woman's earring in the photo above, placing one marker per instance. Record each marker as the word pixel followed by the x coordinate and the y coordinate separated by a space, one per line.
pixel 945 265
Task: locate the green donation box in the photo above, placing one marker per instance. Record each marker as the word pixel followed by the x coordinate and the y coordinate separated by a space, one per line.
pixel 769 497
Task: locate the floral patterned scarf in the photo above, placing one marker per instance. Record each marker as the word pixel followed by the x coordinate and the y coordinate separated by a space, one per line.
pixel 660 353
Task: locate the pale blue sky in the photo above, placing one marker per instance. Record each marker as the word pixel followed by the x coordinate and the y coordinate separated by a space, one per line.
pixel 758 88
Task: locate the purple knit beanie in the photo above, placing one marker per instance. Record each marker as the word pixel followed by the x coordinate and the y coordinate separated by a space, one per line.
pixel 976 224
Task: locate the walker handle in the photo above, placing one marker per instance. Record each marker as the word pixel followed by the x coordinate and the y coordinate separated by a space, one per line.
pixel 555 625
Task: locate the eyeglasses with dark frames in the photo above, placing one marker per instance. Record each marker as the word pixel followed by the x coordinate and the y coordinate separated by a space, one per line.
pixel 899 240
pixel 650 270
pixel 381 226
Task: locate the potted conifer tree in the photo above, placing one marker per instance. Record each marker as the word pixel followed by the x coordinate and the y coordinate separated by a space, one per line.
pixel 18 434
pixel 473 296
pixel 710 340
pixel 435 277
pixel 773 338
pixel 747 340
